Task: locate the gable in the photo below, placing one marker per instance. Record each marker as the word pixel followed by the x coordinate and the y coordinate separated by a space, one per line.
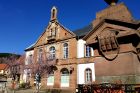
pixel 64 33
pixel 106 28
pixel 54 32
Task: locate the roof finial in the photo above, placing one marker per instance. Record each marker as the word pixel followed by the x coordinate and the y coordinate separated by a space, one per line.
pixel 53 13
pixel 111 2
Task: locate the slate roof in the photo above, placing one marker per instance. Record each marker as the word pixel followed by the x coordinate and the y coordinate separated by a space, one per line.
pixel 83 31
pixel 30 47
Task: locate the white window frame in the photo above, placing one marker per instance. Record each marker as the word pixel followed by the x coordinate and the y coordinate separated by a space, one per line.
pixel 50 79
pixel 65 51
pixel 52 52
pixel 87 51
pixel 88 75
pixel 65 77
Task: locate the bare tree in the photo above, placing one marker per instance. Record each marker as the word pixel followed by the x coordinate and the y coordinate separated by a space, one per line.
pixel 41 68
pixel 15 65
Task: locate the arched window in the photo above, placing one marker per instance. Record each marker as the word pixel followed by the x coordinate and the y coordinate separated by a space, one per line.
pixel 65 50
pixel 53 13
pixel 52 52
pixel 50 79
pixel 64 77
pixel 88 75
pixel 40 56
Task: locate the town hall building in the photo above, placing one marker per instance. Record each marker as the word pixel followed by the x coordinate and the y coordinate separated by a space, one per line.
pixel 107 50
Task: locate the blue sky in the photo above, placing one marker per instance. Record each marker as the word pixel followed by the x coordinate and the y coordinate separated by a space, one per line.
pixel 22 21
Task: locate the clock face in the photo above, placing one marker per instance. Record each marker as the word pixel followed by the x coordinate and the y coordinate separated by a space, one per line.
pixel 110 1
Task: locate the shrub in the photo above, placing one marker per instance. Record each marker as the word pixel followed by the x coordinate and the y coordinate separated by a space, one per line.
pixel 24 85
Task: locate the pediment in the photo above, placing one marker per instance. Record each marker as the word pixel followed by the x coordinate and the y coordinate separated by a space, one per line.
pixel 105 29
pixel 54 32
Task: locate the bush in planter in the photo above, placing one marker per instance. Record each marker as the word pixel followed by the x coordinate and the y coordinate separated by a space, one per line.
pixel 25 85
pixel 22 85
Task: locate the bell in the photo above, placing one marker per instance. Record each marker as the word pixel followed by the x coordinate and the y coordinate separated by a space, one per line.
pixel 111 2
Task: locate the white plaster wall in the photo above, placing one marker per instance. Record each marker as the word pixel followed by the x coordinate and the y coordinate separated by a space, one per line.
pixel 1 71
pixel 92 52
pixel 81 72
pixel 31 52
pixel 80 48
pixel 64 84
pixel 24 75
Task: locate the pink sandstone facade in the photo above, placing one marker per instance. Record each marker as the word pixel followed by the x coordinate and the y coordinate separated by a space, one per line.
pixel 112 55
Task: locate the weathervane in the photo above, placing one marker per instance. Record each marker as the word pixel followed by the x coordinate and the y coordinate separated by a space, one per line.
pixel 111 2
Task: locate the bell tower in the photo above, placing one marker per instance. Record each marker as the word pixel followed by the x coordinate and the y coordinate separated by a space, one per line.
pixel 53 13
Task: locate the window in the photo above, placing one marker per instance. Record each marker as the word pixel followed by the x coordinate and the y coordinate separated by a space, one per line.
pixel 88 51
pixel 40 56
pixel 88 75
pixel 50 80
pixel 64 77
pixel 30 59
pixel 65 50
pixel 53 31
pixel 52 52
